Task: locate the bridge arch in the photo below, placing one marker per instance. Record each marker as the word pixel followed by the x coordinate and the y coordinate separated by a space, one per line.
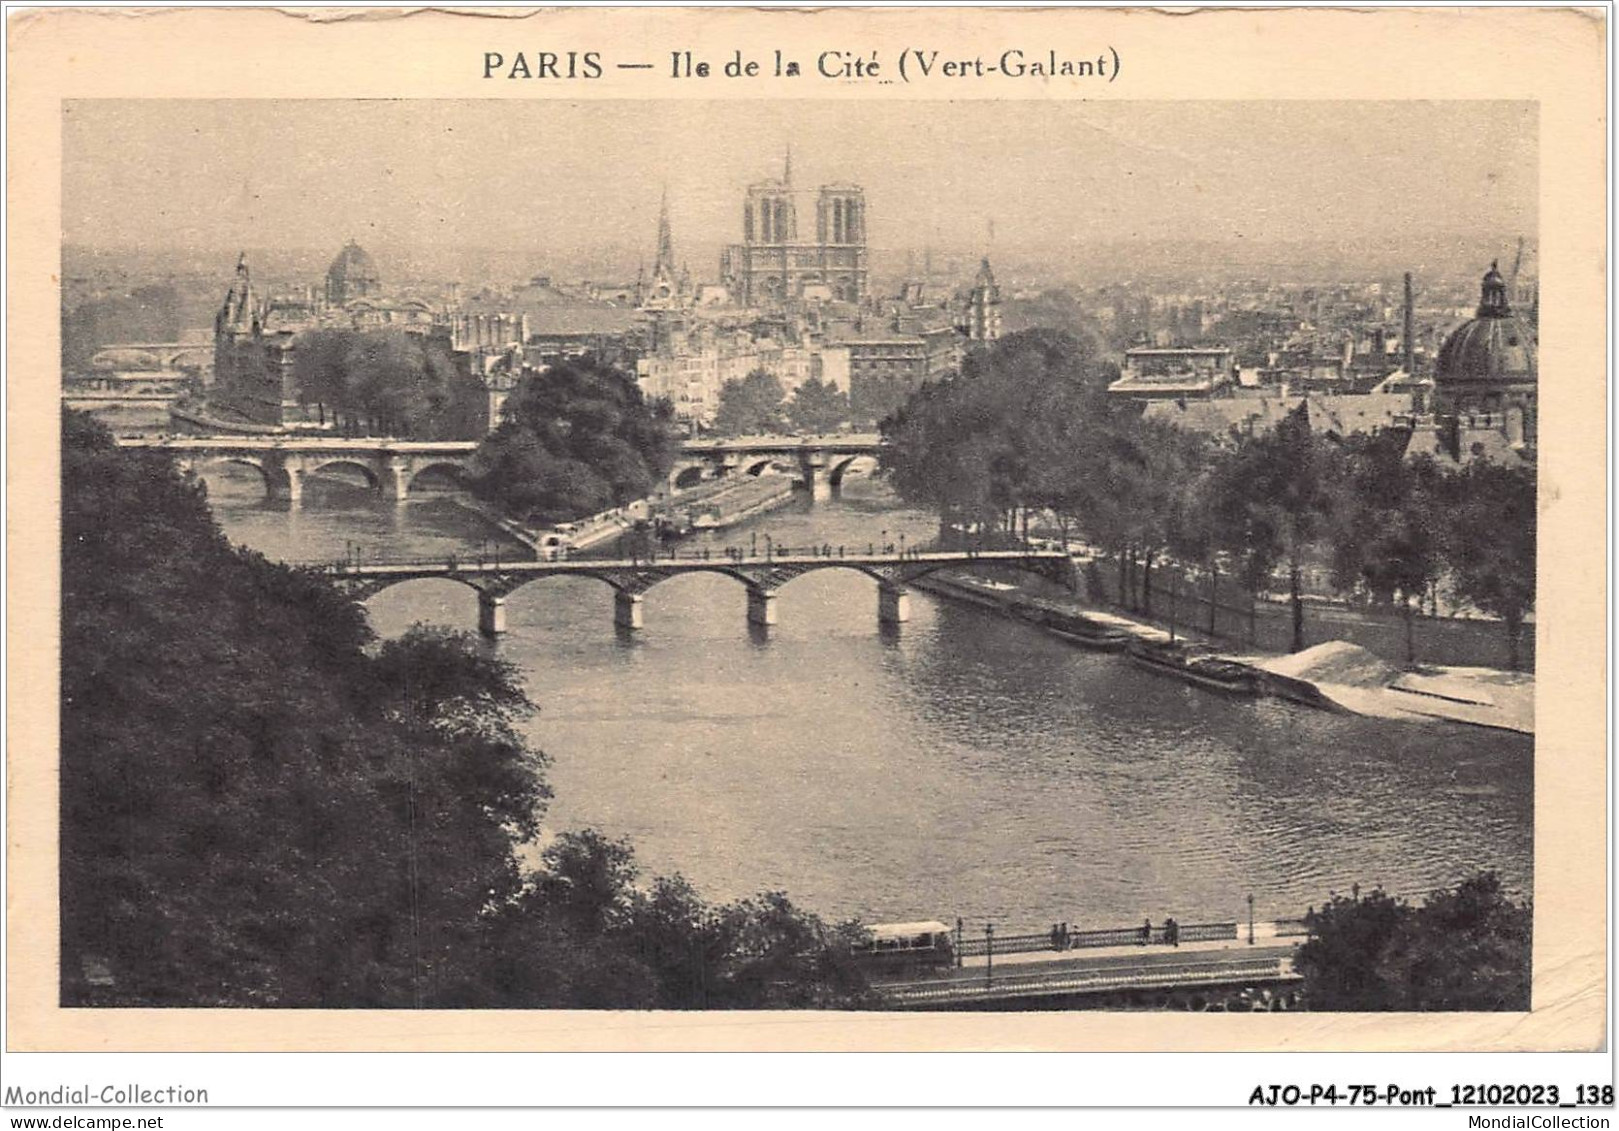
pixel 315 467
pixel 835 564
pixel 199 467
pixel 381 585
pixel 530 579
pixel 839 468
pixel 455 472
pixel 757 467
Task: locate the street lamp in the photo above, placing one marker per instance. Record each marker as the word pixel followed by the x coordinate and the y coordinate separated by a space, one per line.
pixel 770 547
pixel 902 543
pixel 989 954
pixel 1250 918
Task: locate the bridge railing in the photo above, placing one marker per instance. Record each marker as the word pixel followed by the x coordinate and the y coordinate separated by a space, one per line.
pixel 715 554
pixel 1081 940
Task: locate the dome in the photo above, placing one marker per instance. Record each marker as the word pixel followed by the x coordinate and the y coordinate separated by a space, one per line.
pixel 1496 347
pixel 353 265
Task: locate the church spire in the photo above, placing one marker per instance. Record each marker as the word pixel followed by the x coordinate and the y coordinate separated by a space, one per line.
pixel 665 264
pixel 787 167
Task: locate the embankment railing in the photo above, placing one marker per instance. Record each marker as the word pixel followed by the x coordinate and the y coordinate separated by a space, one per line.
pixel 1079 940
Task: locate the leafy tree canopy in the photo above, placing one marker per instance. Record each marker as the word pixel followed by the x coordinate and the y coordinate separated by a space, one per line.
pixel 255 809
pixel 575 440
pixel 752 406
pixel 1008 432
pixel 1489 541
pixel 1464 949
pixel 388 382
pixel 817 407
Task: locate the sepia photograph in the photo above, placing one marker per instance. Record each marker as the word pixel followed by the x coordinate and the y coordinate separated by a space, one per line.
pixel 619 551
pixel 705 555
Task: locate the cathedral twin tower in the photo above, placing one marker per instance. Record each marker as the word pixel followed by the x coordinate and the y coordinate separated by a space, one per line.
pixel 773 265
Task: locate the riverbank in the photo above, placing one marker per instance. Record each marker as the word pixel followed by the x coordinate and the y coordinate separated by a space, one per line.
pixel 1334 676
pixel 551 542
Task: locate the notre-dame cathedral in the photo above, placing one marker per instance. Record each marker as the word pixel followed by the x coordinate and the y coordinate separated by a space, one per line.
pixel 774 264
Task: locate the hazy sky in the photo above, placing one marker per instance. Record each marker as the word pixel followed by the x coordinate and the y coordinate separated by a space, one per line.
pixel 223 174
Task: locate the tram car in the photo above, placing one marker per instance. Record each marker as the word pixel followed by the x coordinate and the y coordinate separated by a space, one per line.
pixel 927 945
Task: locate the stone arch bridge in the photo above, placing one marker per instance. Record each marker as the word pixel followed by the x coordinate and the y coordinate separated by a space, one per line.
pixel 817 462
pixel 389 466
pixel 392 466
pixel 630 579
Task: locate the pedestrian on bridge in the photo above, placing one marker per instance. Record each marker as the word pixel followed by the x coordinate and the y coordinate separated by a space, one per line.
pixel 1146 931
pixel 1172 933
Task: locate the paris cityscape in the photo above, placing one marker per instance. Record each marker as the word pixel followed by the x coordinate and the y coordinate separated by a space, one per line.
pixel 967 557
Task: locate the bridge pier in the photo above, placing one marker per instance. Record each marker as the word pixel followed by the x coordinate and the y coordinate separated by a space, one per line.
pixel 761 607
pixel 491 614
pixel 627 610
pixel 288 487
pixel 893 604
pixel 812 467
pixel 394 480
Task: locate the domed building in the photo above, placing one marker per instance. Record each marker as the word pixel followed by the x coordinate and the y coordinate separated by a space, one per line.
pixel 1486 374
pixel 353 274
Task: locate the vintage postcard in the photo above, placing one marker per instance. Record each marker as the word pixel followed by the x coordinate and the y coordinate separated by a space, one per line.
pixel 861 529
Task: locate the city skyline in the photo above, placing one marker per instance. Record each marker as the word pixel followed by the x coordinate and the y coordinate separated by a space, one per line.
pixel 207 175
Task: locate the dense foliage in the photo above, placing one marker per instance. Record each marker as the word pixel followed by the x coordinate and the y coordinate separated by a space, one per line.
pixel 753 406
pixel 261 805
pixel 817 407
pixel 255 810
pixel 1463 949
pixel 386 382
pixel 575 440
pixel 1490 543
pixel 1026 432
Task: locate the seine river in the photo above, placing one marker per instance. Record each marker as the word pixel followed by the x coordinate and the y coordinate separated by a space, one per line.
pixel 965 765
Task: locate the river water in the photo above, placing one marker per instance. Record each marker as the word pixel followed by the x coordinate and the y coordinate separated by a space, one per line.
pixel 963 765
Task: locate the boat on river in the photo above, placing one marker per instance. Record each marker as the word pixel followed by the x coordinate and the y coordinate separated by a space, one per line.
pixel 1072 625
pixel 1195 664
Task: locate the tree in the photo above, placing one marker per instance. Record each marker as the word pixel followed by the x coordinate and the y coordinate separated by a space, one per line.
pixel 385 381
pixel 1192 530
pixel 255 810
pixel 1491 544
pixel 1340 960
pixel 1385 529
pixel 575 440
pixel 982 447
pixel 1282 483
pixel 751 406
pixel 1467 948
pixel 320 370
pixel 584 934
pixel 817 407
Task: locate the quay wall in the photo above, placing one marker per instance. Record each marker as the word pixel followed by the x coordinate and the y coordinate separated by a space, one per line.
pixel 1446 641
